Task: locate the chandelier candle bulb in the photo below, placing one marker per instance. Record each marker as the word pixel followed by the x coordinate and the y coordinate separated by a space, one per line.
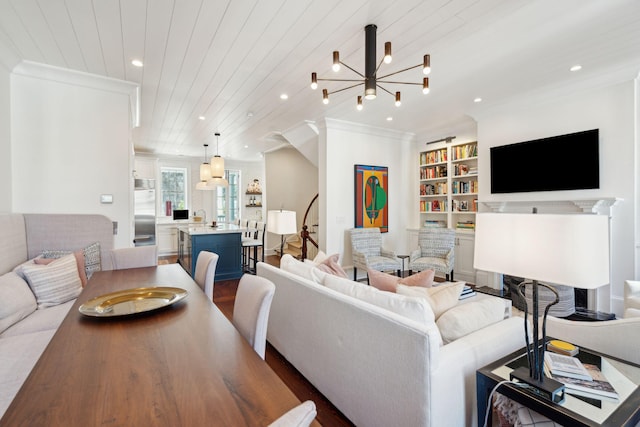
pixel 336 61
pixel 426 64
pixel 314 81
pixel 325 96
pixel 425 85
pixel 398 102
pixel 359 106
pixel 387 53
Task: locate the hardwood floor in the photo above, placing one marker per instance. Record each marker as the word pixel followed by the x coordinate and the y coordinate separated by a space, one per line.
pixel 328 415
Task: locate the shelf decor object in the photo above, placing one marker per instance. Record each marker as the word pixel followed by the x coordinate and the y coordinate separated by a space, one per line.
pixel 282 222
pixel 565 249
pixel 370 78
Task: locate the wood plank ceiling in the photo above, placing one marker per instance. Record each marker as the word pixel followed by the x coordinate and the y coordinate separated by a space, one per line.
pixel 229 61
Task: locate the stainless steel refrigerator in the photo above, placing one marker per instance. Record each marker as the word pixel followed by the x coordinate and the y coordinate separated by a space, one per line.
pixel 145 212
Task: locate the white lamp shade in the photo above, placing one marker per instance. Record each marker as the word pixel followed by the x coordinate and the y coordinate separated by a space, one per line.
pixel 568 249
pixel 217 167
pixel 214 183
pixel 282 222
pixel 205 172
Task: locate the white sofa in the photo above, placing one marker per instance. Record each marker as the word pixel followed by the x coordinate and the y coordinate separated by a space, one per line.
pixel 376 366
pixel 25 330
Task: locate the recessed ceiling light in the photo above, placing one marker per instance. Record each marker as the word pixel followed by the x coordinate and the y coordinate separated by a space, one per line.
pixel 576 67
pixel 249 114
pixel 246 146
pixel 284 96
pixel 478 99
pixel 137 63
pixel 389 119
pixel 201 117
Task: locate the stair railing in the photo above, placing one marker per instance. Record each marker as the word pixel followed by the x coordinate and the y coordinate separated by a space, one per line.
pixel 305 234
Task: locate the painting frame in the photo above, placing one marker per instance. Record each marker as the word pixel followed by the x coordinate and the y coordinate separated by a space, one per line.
pixel 371 197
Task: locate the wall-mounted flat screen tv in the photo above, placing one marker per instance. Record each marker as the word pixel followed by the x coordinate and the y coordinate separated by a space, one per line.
pixel 564 162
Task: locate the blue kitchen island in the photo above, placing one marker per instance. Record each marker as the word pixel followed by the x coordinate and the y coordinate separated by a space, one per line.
pixel 224 239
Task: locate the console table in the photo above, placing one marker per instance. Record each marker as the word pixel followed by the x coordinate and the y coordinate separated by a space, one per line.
pixel 182 365
pixel 575 411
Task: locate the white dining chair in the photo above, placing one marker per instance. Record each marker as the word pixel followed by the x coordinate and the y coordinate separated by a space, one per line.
pixel 139 256
pixel 300 416
pixel 251 310
pixel 206 272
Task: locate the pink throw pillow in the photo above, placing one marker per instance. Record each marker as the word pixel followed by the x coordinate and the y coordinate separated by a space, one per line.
pixel 387 282
pixel 330 265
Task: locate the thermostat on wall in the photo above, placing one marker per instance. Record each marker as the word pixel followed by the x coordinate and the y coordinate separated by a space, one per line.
pixel 106 198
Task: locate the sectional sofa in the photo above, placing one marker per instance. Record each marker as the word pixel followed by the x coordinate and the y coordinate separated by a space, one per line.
pixel 380 357
pixel 25 329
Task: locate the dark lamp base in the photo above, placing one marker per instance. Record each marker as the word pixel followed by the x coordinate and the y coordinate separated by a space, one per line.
pixel 548 388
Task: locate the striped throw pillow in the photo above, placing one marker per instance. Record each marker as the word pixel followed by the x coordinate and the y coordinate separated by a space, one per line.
pixel 54 283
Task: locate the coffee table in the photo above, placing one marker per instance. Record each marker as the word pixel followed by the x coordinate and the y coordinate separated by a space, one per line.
pixel 575 411
pixel 181 365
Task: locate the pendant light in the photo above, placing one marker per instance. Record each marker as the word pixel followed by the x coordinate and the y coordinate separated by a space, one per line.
pixel 217 168
pixel 205 172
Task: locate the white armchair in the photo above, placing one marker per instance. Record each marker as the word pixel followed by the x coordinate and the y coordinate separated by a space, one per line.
pixel 604 337
pixel 368 253
pixel 631 298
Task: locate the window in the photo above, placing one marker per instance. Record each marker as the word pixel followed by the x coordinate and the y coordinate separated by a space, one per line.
pixel 174 188
pixel 228 198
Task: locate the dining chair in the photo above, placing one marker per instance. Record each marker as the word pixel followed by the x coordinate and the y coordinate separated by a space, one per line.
pixel 251 310
pixel 368 253
pixel 436 251
pixel 138 256
pixel 206 272
pixel 300 416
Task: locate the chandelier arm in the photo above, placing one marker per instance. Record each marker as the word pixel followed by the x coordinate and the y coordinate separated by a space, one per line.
pixel 385 90
pixel 401 71
pixel 340 80
pixel 357 72
pixel 379 65
pixel 345 88
pixel 399 83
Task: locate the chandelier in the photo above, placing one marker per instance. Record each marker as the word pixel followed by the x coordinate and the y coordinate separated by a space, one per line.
pixel 212 175
pixel 370 78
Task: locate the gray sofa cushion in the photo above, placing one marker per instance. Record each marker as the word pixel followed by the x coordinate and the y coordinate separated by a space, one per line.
pixel 44 319
pixel 16 300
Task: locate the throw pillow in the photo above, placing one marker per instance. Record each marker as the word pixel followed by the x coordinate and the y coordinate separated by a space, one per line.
pixel 88 257
pixel 466 318
pixel 303 269
pixel 54 283
pixel 441 298
pixel 413 308
pixel 79 255
pixel 387 282
pixel 330 265
pixel 16 300
pixel 320 257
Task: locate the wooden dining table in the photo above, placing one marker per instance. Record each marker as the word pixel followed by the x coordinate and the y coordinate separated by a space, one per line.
pixel 181 365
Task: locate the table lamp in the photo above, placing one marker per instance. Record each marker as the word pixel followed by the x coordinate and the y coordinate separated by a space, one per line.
pixel 282 222
pixel 565 249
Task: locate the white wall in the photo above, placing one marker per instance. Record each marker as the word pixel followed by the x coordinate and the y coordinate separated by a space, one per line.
pixel 291 182
pixel 612 110
pixel 5 141
pixel 343 145
pixel 70 144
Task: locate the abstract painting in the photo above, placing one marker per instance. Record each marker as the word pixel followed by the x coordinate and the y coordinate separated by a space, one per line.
pixel 371 197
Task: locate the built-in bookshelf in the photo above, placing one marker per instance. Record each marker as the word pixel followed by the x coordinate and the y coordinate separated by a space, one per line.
pixel 449 186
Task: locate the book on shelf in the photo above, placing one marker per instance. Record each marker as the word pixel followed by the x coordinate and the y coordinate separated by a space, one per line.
pixel 596 388
pixel 566 366
pixel 466 225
